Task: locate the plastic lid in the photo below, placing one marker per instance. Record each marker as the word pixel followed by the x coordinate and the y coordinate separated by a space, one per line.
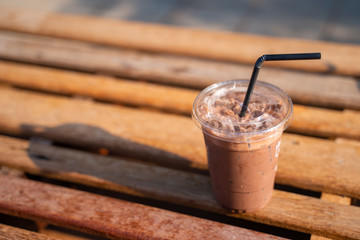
pixel 216 110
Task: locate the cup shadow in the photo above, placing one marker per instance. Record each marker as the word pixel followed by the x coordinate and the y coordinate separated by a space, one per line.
pixel 94 138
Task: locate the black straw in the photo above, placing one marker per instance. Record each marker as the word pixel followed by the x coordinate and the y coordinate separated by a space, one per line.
pixel 271 57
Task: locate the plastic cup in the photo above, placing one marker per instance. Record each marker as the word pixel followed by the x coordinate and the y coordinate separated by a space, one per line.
pixel 242 153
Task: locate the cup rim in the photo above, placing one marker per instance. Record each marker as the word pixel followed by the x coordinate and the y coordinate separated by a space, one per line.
pixel 242 136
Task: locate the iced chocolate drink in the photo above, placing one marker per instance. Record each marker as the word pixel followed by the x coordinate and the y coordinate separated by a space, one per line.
pixel 242 152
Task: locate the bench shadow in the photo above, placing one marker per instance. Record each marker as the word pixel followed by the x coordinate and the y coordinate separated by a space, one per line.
pixel 87 137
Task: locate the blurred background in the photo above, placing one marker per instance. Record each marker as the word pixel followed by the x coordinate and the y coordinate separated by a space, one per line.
pixel 329 20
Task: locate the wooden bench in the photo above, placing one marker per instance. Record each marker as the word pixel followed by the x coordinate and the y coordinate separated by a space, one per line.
pixel 96 113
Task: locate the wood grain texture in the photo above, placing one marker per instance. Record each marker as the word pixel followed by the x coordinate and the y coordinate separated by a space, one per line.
pixel 307 88
pixel 307 120
pixel 13 233
pixel 338 58
pixel 332 198
pixel 336 198
pixel 108 217
pixel 131 132
pixel 305 162
pixel 285 209
pixel 66 234
pixel 325 122
pixel 319 165
pixel 348 142
pixel 135 93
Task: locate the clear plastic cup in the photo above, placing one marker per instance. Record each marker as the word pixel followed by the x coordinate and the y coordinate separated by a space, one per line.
pixel 242 153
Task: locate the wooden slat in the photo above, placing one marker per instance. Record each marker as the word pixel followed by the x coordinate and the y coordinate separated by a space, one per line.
pixel 175 186
pixel 109 217
pixel 336 198
pixel 104 172
pixel 325 122
pixel 124 91
pixel 13 233
pixel 170 140
pixel 319 165
pixel 332 198
pixel 66 234
pixel 338 58
pixel 314 89
pixel 307 120
pixel 348 142
pixel 133 132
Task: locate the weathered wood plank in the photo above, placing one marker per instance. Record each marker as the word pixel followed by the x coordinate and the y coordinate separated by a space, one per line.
pixel 136 133
pixel 67 234
pixel 320 165
pixel 104 172
pixel 305 162
pixel 175 186
pixel 106 216
pixel 348 142
pixel 124 91
pixel 13 233
pixel 307 120
pixel 332 198
pixel 325 122
pixel 336 198
pixel 338 58
pixel 306 88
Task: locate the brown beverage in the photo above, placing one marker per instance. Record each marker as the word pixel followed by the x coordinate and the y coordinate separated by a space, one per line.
pixel 242 152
